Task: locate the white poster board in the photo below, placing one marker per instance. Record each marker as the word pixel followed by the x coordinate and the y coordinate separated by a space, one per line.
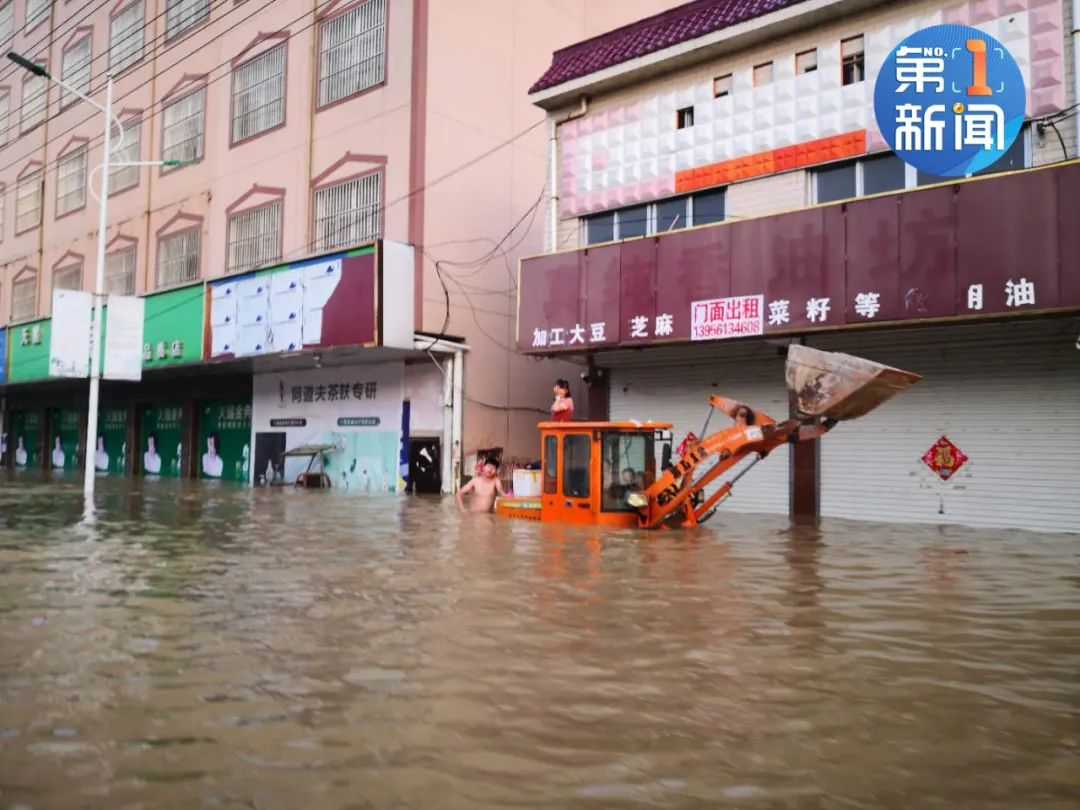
pixel 124 338
pixel 69 354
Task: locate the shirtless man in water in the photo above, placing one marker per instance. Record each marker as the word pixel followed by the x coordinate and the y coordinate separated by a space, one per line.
pixel 484 488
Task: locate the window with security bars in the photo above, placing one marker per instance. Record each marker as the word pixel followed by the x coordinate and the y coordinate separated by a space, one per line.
pixel 348 213
pixel 126 36
pixel 181 15
pixel 28 196
pixel 178 258
pixel 5 115
pixel 67 278
pixel 36 11
pixel 258 94
pixel 183 127
pixel 120 272
pixel 33 102
pixel 7 24
pixel 351 52
pixel 75 70
pixel 255 238
pixel 124 177
pixel 71 182
pixel 24 298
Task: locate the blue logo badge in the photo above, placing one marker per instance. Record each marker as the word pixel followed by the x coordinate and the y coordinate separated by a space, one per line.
pixel 950 100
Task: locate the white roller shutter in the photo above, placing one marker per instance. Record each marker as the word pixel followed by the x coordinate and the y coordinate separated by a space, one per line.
pixel 1008 395
pixel 673 384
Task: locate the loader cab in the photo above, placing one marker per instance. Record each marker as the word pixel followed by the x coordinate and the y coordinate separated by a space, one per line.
pixel 590 468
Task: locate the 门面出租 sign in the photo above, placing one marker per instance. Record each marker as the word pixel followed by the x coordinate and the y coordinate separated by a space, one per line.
pixel 740 316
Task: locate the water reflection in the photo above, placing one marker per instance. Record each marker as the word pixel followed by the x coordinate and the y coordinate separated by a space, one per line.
pixel 225 647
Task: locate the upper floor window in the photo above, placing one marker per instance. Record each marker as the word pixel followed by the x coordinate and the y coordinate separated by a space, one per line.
pixel 721 86
pixel 684 118
pixel 124 177
pixel 28 196
pixel 126 36
pixel 120 272
pixel 255 238
pixel 1016 157
pixel 24 297
pixel 182 15
pixel 183 125
pixel 258 94
pixel 352 52
pixel 35 89
pixel 852 60
pixel 348 213
pixel 178 257
pixel 701 208
pixel 37 11
pixel 75 70
pixel 67 278
pixel 71 182
pixel 806 62
pixel 3 210
pixel 763 74
pixel 7 23
pixel 5 116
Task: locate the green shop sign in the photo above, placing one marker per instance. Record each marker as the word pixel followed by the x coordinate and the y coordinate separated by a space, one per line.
pixel 173 327
pixel 225 440
pixel 28 351
pixel 25 438
pixel 162 435
pixel 64 440
pixel 110 456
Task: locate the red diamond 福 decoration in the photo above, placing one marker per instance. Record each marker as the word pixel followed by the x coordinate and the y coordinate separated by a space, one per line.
pixel 944 458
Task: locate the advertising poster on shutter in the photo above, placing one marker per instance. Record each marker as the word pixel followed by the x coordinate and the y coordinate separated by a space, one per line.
pixel 25 439
pixel 64 450
pixel 69 344
pixel 111 453
pixel 124 339
pixel 160 446
pixel 356 410
pixel 225 440
pixel 3 355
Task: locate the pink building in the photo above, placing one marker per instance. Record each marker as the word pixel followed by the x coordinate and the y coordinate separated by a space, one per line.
pixel 306 128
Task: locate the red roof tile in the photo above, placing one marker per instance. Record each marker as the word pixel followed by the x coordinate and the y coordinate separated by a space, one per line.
pixel 655 33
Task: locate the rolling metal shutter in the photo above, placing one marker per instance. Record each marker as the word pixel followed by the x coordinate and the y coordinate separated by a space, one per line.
pixel 1008 395
pixel 673 384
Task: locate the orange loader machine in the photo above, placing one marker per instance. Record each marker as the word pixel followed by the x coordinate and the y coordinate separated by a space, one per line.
pixel 625 474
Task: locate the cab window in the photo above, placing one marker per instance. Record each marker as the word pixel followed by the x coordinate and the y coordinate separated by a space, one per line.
pixel 577 450
pixel 551 465
pixel 628 467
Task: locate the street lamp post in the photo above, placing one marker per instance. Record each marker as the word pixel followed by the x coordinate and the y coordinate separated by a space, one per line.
pixel 89 472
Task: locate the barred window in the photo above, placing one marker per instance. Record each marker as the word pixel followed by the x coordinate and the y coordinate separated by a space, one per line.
pixel 180 15
pixel 7 23
pixel 120 272
pixel 124 177
pixel 67 278
pixel 28 196
pixel 178 258
pixel 33 101
pixel 75 70
pixel 183 127
pixel 24 297
pixel 36 12
pixel 348 213
pixel 126 36
pixel 258 94
pixel 5 117
pixel 255 238
pixel 351 51
pixel 71 182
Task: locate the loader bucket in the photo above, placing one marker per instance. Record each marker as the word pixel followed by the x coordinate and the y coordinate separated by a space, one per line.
pixel 841 386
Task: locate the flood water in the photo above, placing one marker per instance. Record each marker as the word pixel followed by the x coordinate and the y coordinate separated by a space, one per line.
pixel 223 647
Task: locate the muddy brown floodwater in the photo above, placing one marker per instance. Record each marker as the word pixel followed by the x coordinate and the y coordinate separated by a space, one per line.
pixel 223 647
